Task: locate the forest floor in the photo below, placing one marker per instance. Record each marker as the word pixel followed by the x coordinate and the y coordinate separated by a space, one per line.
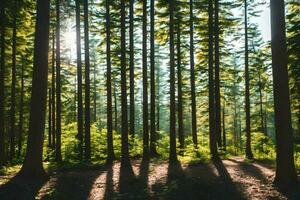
pixel 230 179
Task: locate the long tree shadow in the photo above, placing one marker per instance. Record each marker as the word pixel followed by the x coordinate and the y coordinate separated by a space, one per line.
pixel 109 185
pixel 228 189
pixel 73 184
pixel 21 188
pixel 251 170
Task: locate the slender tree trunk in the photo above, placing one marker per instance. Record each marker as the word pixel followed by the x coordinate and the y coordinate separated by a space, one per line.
pixel 224 129
pixel 110 147
pixel 179 91
pixel 192 71
pixel 58 87
pixel 79 82
pixel 145 86
pixel 94 95
pixel 249 154
pixel 261 104
pixel 153 151
pixel 217 76
pixel 115 106
pixel 53 92
pixel 131 63
pixel 13 87
pixel 2 71
pixel 212 120
pixel 87 117
pixel 49 119
pixel 124 132
pixel 285 176
pixel 20 135
pixel 172 154
pixel 33 164
pixel 157 102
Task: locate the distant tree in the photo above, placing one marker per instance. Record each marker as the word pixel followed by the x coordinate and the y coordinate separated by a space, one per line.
pixel 33 164
pixel 21 112
pixel 285 176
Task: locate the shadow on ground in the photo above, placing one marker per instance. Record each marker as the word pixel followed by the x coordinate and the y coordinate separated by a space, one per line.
pixel 19 189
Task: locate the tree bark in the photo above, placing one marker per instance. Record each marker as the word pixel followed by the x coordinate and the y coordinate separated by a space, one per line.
pixel 2 71
pixel 249 154
pixel 153 151
pixel 285 176
pixel 33 164
pixel 131 63
pixel 172 153
pixel 124 132
pixel 53 93
pixel 179 90
pixel 58 87
pixel 13 86
pixel 21 112
pixel 79 82
pixel 212 120
pixel 87 117
pixel 192 71
pixel 145 86
pixel 110 147
pixel 217 76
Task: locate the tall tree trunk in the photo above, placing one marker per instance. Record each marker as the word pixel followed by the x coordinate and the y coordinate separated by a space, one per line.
pixel 248 152
pixel 172 154
pixel 2 71
pixel 131 68
pixel 110 147
pixel 94 95
pixel 49 119
pixel 87 117
pixel 53 92
pixel 58 87
pixel 153 151
pixel 192 71
pixel 224 129
pixel 115 106
pixel 20 135
pixel 33 163
pixel 13 86
pixel 261 104
pixel 285 168
pixel 124 132
pixel 179 91
pixel 217 76
pixel 79 82
pixel 212 121
pixel 157 101
pixel 145 86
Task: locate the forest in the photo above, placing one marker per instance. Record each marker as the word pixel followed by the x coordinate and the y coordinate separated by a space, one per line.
pixel 149 99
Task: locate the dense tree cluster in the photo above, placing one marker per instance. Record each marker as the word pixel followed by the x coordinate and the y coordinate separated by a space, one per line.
pixel 197 72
